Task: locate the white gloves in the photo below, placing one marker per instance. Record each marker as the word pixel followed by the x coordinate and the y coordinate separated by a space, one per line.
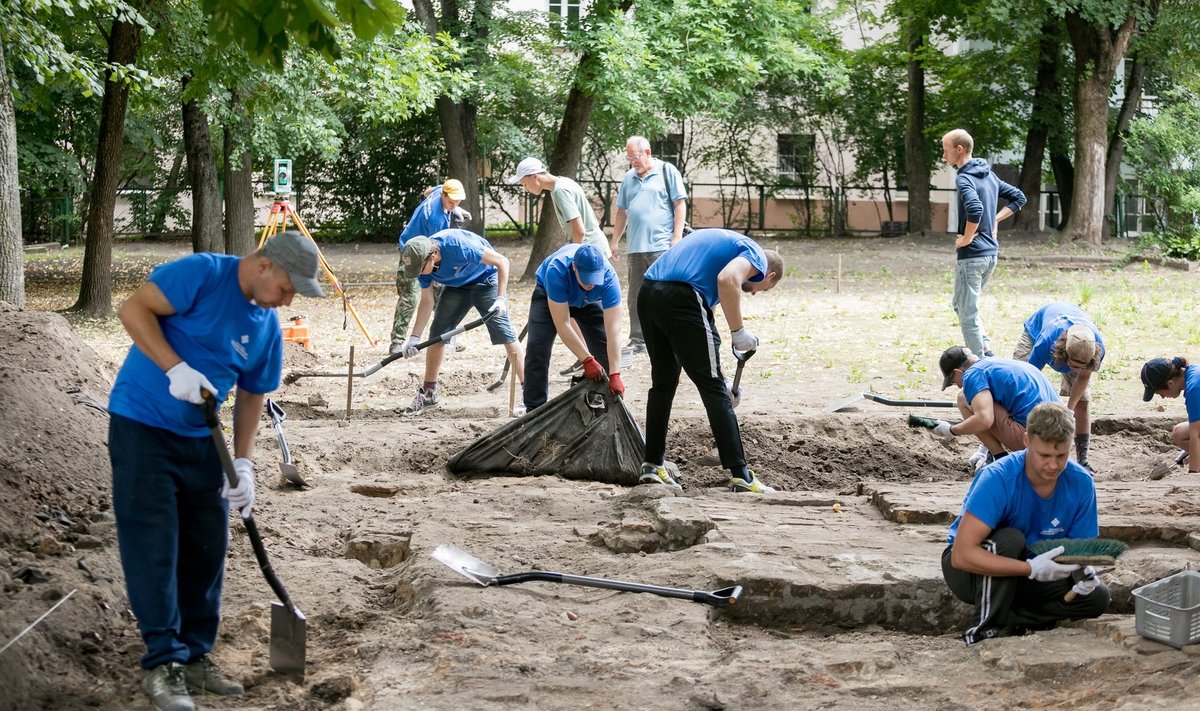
pixel 735 397
pixel 743 340
pixel 1044 569
pixel 979 458
pixel 241 496
pixel 410 347
pixel 459 216
pixel 500 306
pixel 1088 583
pixel 942 429
pixel 187 383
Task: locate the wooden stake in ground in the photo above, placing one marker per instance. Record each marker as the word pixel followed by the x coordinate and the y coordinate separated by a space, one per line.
pixel 350 383
pixel 838 288
pixel 512 396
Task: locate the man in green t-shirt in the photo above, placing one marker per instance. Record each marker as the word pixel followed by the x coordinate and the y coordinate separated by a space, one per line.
pixel 574 212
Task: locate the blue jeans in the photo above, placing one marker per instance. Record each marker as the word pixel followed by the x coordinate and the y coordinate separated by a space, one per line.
pixel 970 277
pixel 172 531
pixel 456 301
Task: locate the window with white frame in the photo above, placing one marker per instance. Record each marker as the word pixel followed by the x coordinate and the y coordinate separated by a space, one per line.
pixel 565 12
pixel 796 159
pixel 668 148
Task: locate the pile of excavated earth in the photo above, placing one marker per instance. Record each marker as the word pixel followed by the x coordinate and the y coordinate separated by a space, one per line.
pixel 844 602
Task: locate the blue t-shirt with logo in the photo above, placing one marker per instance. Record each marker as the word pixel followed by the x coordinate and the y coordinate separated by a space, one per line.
pixel 427 219
pixel 1002 497
pixel 462 259
pixel 1048 324
pixel 1015 384
pixel 649 201
pixel 558 279
pixel 1191 392
pixel 698 258
pixel 216 330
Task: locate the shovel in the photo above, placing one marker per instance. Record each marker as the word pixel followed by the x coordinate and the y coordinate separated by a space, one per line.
pixel 713 458
pixel 286 467
pixel 464 563
pixel 288 625
pixel 293 377
pixel 499 382
pixel 847 402
pixel 1164 467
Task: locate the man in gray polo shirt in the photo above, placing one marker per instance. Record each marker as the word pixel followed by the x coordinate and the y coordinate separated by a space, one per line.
pixel 574 212
pixel 651 207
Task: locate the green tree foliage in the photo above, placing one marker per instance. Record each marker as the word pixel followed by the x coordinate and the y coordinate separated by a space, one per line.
pixel 1164 150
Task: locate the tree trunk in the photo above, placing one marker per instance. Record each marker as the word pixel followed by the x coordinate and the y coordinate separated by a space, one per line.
pixel 1064 180
pixel 166 199
pixel 1098 50
pixel 1116 142
pixel 239 184
pixel 1046 96
pixel 207 232
pixel 95 289
pixel 12 258
pixel 916 151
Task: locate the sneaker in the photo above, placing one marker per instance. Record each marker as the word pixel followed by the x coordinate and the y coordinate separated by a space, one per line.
pixel 454 344
pixel 1088 467
pixel 422 401
pixel 754 486
pixel 657 474
pixel 574 368
pixel 167 689
pixel 989 354
pixel 203 676
pixel 395 348
pixel 635 346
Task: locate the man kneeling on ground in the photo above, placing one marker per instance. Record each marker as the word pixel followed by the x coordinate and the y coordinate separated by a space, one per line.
pixel 1025 497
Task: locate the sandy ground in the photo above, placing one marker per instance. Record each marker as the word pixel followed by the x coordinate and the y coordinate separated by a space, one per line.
pixel 843 606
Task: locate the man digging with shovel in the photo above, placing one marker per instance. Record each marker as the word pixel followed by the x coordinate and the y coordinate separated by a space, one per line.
pixel 473 274
pixel 199 324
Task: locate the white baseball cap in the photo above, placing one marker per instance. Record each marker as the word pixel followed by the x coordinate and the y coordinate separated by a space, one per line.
pixel 527 167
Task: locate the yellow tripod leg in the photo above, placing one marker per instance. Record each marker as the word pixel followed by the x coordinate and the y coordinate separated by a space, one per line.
pixel 336 284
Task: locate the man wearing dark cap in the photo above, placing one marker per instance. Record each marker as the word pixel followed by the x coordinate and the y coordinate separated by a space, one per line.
pixel 1169 377
pixel 200 325
pixel 577 298
pixel 473 275
pixel 996 398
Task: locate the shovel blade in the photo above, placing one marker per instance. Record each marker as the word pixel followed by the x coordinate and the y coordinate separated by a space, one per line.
pixel 289 639
pixel 465 564
pixel 847 402
pixel 289 472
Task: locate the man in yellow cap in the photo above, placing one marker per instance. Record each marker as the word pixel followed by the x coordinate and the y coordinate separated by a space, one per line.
pixel 438 211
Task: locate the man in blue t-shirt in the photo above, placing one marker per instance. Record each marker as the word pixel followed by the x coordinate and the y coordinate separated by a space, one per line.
pixel 979 218
pixel 439 210
pixel 709 267
pixel 472 274
pixel 652 203
pixel 201 324
pixel 996 398
pixel 1026 497
pixel 1170 377
pixel 577 298
pixel 1062 336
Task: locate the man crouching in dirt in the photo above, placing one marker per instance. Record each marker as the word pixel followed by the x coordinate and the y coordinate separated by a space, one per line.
pixel 199 324
pixel 706 268
pixel 1021 499
pixel 473 274
pixel 996 398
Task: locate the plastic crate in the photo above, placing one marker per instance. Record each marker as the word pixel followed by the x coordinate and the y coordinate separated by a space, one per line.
pixel 1169 610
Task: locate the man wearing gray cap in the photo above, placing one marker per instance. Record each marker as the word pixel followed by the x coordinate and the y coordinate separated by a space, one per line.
pixel 201 324
pixel 570 204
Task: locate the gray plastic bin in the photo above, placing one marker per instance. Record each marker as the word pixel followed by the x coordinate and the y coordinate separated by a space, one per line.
pixel 1169 610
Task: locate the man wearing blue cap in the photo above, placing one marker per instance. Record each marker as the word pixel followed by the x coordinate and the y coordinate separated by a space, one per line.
pixel 200 325
pixel 473 275
pixel 710 267
pixel 577 298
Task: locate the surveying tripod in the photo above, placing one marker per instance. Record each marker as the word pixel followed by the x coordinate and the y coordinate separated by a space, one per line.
pixel 281 209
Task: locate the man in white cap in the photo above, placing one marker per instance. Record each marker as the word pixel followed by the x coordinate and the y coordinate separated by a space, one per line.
pixel 574 212
pixel 439 210
pixel 473 275
pixel 1063 337
pixel 200 325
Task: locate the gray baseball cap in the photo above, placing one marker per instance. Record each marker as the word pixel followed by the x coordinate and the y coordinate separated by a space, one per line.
pixel 414 254
pixel 298 256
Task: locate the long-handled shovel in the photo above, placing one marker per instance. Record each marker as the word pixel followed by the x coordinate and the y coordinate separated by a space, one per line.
pixel 466 564
pixel 293 377
pixel 847 402
pixel 713 457
pixel 288 625
pixel 286 467
pixel 499 382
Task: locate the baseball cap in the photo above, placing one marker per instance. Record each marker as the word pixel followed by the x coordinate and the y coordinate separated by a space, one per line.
pixel 589 265
pixel 453 189
pixel 1155 374
pixel 414 254
pixel 527 167
pixel 1081 343
pixel 298 256
pixel 951 359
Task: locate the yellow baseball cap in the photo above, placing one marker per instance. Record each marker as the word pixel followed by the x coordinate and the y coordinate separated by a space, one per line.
pixel 453 189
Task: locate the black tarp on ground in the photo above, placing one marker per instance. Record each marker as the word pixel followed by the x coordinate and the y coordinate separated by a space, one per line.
pixel 584 433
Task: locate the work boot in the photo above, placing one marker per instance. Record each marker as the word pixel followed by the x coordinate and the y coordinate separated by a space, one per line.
pixel 167 689
pixel 203 676
pixel 657 474
pixel 753 486
pixel 423 400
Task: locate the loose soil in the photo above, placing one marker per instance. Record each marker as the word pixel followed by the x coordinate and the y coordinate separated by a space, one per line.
pixel 843 605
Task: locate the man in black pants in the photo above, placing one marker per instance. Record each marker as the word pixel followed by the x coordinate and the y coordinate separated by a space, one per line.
pixel 577 298
pixel 707 268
